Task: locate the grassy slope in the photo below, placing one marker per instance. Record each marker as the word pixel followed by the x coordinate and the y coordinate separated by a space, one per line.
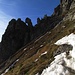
pixel 27 65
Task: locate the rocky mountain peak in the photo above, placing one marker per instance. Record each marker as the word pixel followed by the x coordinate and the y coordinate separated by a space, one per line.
pixel 64 6
pixel 35 45
pixel 15 36
pixel 19 33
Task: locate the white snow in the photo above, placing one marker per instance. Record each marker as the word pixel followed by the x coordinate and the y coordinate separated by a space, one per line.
pixel 41 45
pixel 63 26
pixel 10 67
pixel 17 60
pixel 36 60
pixel 25 49
pixel 58 66
pixel 41 55
pixel 68 40
pixel 44 53
pixel 5 71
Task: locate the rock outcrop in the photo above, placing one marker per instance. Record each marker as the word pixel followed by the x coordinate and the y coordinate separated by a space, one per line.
pixel 30 28
pixel 72 5
pixel 63 48
pixel 19 33
pixel 64 6
pixel 15 37
pixel 38 20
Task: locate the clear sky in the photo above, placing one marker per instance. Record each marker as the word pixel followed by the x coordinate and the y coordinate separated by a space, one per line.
pixel 24 8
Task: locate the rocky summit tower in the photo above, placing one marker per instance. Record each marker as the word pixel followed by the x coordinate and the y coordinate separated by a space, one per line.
pixel 65 4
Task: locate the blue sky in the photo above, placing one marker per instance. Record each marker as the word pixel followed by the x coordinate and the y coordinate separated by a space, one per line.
pixel 24 8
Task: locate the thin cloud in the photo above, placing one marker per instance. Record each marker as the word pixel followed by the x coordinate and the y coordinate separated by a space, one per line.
pixel 7 3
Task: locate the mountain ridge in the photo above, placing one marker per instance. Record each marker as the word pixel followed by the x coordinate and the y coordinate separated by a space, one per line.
pixel 37 55
pixel 25 32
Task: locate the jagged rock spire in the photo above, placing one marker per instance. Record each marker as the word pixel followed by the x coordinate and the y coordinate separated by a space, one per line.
pixel 65 4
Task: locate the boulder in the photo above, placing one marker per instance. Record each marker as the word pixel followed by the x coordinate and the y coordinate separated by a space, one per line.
pixel 63 48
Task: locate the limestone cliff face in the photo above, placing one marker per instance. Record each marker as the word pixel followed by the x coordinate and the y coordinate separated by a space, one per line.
pixel 64 6
pixel 72 5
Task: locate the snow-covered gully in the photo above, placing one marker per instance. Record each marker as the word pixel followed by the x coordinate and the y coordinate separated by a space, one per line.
pixel 63 65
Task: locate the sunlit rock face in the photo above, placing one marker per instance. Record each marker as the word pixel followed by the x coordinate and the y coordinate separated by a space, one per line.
pixel 64 6
pixel 72 5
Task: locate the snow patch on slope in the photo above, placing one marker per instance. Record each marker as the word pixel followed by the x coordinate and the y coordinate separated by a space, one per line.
pixel 11 66
pixel 40 56
pixel 61 64
pixel 44 53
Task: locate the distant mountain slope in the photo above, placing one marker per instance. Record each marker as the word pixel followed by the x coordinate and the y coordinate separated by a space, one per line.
pixel 18 34
pixel 33 58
